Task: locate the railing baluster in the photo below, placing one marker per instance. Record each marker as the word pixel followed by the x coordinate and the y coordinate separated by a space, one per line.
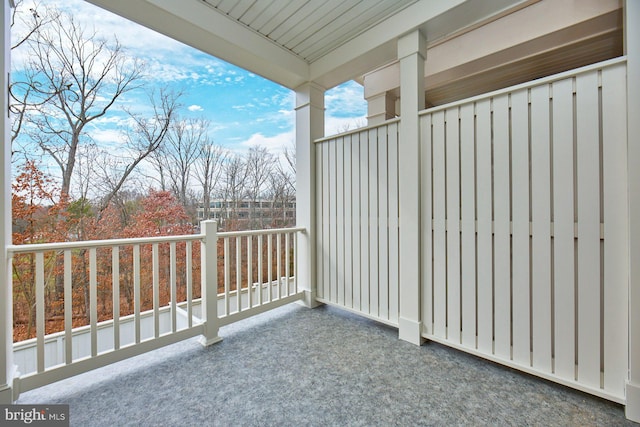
pixel 93 297
pixel 238 273
pixel 155 263
pixel 174 294
pixel 68 308
pixel 260 269
pixel 115 273
pixel 189 266
pixel 286 262
pixel 295 263
pixel 279 264
pixel 249 272
pixel 269 266
pixel 136 291
pixel 40 321
pixel 227 276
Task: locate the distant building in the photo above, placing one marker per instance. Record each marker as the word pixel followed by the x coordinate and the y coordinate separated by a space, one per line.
pixel 244 213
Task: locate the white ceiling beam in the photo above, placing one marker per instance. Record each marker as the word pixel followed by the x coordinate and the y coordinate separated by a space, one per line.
pixel 202 27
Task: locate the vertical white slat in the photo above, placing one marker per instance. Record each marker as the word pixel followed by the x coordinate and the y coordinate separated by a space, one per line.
pixel 383 224
pixel 239 274
pixel 250 271
pixel 468 225
pixel 279 264
pixel 501 228
pixel 136 292
pixel 348 224
pixel 173 285
pixel 439 227
pixel 93 298
pixel 68 308
pixel 287 273
pixel 261 266
pixel 588 165
pixel 189 266
pixel 40 320
pixel 426 222
pixel 453 223
pixel 520 227
pixel 270 267
pixel 541 228
pixel 326 241
pixel 156 289
pixel 356 219
pixel 394 250
pixel 319 221
pixel 115 276
pixel 616 264
pixel 364 222
pixel 484 199
pixel 227 275
pixel 340 282
pixel 563 231
pixel 333 224
pixel 295 264
pixel 374 280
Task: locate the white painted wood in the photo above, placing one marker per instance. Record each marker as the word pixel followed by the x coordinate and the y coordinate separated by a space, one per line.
pixel 468 225
pixel 541 228
pixel 68 308
pixel 93 301
pixel 616 255
pixel 484 207
pixel 333 226
pixel 392 150
pixel 383 223
pixel 356 221
pixel 364 222
pixel 426 223
pixel 270 265
pixel 520 168
pixel 452 193
pixel 279 266
pixel 563 230
pixel 239 272
pixel 287 272
pixel 319 219
pixel 250 282
pixel 326 242
pixel 502 227
pixel 156 289
pixel 339 197
pixel 136 291
pixel 189 290
pixel 348 223
pixel 172 285
pixel 439 228
pixel 374 239
pixel 588 229
pixel 40 320
pixel 227 275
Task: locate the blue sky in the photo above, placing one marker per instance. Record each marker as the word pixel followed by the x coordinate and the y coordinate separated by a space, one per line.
pixel 243 108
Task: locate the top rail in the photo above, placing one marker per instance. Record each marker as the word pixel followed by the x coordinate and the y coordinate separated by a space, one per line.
pixel 44 247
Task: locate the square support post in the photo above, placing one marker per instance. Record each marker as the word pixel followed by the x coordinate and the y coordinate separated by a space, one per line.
pixel 209 280
pixel 632 50
pixel 309 127
pixel 411 54
pixel 7 368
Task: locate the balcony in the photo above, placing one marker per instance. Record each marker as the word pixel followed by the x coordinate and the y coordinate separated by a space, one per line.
pixel 323 366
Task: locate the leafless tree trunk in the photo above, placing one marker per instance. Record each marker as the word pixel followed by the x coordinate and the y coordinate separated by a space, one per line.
pixel 208 171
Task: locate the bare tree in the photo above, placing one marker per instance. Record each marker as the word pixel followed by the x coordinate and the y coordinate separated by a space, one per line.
pixel 259 164
pixel 208 169
pixel 234 182
pixel 71 79
pixel 145 137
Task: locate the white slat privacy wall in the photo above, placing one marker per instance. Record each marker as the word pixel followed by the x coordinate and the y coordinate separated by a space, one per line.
pixel 357 221
pixel 524 226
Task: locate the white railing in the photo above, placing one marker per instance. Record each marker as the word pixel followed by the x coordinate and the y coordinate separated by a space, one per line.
pixel 258 276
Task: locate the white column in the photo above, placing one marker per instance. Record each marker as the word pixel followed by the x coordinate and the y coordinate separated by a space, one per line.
pixel 6 314
pixel 209 282
pixel 309 127
pixel 412 54
pixel 632 49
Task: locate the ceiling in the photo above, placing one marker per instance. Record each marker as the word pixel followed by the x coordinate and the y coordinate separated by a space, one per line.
pixel 292 42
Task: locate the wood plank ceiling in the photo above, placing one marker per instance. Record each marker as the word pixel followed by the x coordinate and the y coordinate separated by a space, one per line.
pixel 309 28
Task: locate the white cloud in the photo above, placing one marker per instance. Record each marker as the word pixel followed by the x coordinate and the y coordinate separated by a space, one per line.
pixel 195 108
pixel 335 125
